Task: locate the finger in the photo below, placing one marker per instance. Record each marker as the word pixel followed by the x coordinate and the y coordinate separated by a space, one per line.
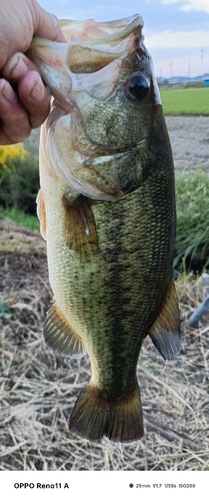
pixel 31 89
pixel 16 67
pixel 14 122
pixel 34 97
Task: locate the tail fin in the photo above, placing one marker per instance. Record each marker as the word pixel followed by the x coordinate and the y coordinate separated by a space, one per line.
pixel 94 416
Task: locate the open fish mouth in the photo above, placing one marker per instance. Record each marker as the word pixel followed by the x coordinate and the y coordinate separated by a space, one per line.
pixel 90 48
pixel 94 66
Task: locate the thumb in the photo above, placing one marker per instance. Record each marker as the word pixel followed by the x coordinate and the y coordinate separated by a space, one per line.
pixel 47 25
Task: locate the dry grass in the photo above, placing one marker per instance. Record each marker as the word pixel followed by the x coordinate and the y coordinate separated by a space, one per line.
pixel 38 389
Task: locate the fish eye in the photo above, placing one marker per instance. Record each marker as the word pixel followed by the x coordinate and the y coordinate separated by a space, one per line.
pixel 138 87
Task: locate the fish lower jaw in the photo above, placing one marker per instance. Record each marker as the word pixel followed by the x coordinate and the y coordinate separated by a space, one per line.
pixel 115 156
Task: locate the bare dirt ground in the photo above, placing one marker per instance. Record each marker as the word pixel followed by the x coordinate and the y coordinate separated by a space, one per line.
pixel 190 141
pixel 38 389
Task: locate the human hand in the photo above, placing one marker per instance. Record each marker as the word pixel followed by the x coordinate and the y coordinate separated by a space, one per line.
pixel 24 101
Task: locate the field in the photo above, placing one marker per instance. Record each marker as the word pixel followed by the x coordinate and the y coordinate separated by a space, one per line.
pixel 38 389
pixel 189 101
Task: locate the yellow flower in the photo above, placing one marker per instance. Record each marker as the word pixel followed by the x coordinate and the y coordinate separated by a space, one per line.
pixel 14 151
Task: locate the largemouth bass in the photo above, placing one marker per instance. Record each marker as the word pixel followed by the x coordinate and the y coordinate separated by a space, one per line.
pixel 107 211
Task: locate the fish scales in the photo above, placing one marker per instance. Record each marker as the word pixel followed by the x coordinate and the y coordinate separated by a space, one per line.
pixel 111 289
pixel 110 236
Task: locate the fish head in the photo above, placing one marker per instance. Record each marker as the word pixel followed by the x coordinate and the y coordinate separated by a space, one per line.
pixel 105 101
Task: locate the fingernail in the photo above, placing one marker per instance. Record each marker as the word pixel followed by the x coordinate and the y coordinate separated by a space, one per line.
pixel 19 69
pixel 38 91
pixel 9 94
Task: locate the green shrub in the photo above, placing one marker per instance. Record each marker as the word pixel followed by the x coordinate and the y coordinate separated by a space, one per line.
pixel 14 151
pixel 19 182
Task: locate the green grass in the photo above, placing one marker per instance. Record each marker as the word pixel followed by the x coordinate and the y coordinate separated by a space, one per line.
pixel 189 101
pixel 28 221
pixel 192 206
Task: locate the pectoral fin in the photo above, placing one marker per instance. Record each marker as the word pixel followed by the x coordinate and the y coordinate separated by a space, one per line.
pixel 41 213
pixel 80 227
pixel 165 332
pixel 59 335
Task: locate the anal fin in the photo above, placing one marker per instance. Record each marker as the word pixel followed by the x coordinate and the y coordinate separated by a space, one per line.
pixel 165 332
pixel 59 335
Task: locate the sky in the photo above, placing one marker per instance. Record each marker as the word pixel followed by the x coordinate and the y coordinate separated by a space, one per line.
pixel 176 31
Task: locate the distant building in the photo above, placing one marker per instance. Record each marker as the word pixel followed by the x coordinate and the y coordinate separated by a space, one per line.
pixel 179 80
pixel 162 81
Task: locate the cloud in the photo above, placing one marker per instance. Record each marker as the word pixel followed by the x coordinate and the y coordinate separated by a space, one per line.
pixel 183 39
pixel 99 12
pixel 200 5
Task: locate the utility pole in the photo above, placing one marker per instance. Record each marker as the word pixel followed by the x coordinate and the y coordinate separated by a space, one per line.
pixel 201 57
pixel 188 70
